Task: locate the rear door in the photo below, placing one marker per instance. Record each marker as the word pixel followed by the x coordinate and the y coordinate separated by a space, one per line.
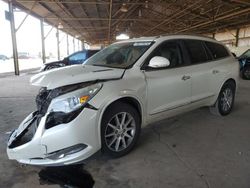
pixel 202 69
pixel 222 63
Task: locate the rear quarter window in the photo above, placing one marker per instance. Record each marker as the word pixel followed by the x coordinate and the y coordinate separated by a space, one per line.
pixel 217 50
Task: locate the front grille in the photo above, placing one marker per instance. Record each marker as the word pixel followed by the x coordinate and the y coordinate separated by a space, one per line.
pixel 41 101
pixel 44 98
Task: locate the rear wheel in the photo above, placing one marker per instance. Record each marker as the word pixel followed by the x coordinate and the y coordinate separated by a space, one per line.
pixel 246 73
pixel 225 101
pixel 120 129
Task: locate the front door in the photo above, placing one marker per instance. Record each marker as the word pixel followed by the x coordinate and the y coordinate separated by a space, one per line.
pixel 168 88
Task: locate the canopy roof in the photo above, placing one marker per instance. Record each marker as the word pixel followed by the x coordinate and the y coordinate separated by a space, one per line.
pixel 99 21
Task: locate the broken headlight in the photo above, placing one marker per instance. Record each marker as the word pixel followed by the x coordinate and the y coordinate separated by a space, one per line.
pixel 65 108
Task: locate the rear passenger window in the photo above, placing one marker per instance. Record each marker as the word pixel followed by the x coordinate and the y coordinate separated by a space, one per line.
pixel 196 51
pixel 218 51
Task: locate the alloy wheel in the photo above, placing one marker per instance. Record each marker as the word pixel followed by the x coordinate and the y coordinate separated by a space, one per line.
pixel 227 99
pixel 120 131
pixel 247 73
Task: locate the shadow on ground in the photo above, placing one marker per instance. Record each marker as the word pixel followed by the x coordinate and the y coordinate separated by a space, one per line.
pixel 66 176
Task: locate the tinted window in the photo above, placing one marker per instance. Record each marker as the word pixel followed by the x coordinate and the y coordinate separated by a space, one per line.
pixel 91 52
pixel 196 51
pixel 171 51
pixel 78 57
pixel 218 51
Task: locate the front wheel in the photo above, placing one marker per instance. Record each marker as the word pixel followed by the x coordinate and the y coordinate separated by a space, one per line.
pixel 225 101
pixel 120 129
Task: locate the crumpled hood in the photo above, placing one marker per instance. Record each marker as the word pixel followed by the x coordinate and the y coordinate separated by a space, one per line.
pixel 74 74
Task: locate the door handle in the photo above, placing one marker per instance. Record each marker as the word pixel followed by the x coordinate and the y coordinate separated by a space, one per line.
pixel 215 71
pixel 185 77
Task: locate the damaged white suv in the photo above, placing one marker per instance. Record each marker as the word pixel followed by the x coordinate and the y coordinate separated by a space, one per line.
pixel 103 104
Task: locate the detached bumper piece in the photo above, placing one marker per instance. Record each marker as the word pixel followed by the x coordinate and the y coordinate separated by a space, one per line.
pixel 25 133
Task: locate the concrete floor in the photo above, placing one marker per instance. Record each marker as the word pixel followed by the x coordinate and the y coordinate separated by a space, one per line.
pixel 196 149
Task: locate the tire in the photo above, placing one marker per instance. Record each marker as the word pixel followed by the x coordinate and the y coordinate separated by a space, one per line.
pixel 225 101
pixel 118 139
pixel 246 73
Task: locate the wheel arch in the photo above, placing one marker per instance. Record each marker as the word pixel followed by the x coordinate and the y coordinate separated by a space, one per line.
pixel 223 83
pixel 133 101
pixel 226 81
pixel 229 80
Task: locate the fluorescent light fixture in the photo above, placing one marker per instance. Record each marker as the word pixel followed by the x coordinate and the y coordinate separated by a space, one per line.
pixel 122 37
pixel 139 13
pixel 124 8
pixel 146 4
pixel 60 25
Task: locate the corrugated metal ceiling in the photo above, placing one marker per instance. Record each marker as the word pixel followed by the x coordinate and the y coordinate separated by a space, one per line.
pixel 94 22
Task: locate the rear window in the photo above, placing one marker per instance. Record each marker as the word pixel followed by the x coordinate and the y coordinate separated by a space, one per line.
pixel 217 50
pixel 196 51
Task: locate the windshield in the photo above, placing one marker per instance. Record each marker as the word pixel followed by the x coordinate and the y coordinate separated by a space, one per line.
pixel 120 55
pixel 246 54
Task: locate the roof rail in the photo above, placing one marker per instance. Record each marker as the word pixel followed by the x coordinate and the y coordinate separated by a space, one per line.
pixel 187 34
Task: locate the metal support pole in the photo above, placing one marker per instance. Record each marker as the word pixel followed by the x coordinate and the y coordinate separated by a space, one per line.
pixel 110 20
pixel 58 44
pixel 83 47
pixel 43 43
pixel 78 43
pixel 213 36
pixel 67 44
pixel 237 37
pixel 13 36
pixel 74 49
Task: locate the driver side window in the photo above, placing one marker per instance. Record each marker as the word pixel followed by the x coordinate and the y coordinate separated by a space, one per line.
pixel 169 50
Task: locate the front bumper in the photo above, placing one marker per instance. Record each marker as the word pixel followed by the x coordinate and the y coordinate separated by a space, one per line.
pixel 47 146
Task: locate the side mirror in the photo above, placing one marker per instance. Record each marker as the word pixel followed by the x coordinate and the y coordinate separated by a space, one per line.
pixel 159 62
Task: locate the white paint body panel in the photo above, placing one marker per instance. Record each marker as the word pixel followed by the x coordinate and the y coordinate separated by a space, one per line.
pixel 166 90
pixel 160 94
pixel 73 74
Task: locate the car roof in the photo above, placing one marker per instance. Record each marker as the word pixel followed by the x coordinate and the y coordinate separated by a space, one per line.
pixel 85 50
pixel 170 36
pixel 141 39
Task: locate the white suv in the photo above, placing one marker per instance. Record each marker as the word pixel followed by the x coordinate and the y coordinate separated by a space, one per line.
pixel 103 104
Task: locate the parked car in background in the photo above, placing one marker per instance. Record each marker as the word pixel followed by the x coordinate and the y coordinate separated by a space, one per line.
pixel 23 55
pixel 104 103
pixel 244 61
pixel 75 58
pixel 3 57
